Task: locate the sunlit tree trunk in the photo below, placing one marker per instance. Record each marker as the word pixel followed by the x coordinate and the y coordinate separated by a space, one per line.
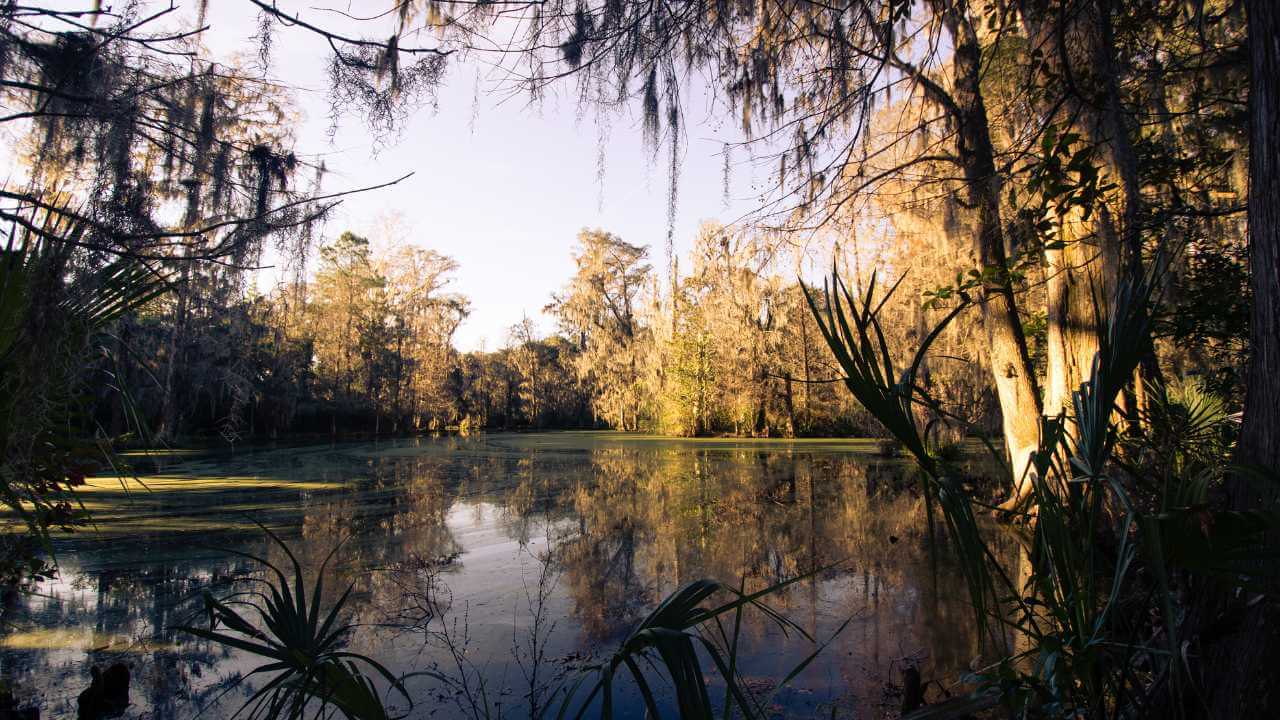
pixel 1078 48
pixel 1006 344
pixel 1073 282
pixel 1074 272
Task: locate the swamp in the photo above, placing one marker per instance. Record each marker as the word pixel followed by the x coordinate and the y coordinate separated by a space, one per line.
pixel 582 532
pixel 569 359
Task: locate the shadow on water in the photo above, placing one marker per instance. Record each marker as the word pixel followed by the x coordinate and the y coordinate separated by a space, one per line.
pixel 589 529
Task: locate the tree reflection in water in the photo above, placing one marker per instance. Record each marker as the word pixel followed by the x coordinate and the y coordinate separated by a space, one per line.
pixel 567 538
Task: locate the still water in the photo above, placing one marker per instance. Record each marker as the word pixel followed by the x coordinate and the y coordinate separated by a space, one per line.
pixel 472 556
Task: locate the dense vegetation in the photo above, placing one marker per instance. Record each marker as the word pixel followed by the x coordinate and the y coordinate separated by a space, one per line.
pixel 1078 197
pixel 365 345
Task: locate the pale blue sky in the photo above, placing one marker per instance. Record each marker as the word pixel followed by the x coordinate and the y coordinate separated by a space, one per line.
pixel 500 185
pixel 505 194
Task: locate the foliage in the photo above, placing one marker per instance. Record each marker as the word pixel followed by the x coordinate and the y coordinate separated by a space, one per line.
pixel 692 377
pixel 135 122
pixel 671 635
pixel 1109 528
pixel 600 312
pixel 52 332
pixel 301 644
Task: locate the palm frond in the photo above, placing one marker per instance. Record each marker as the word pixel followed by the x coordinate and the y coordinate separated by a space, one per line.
pixel 672 638
pixel 300 642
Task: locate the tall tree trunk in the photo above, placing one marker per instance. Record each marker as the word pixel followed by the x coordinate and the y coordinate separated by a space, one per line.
pixel 1122 254
pixel 1074 282
pixel 760 426
pixel 789 398
pixel 1077 43
pixel 1242 665
pixel 1114 133
pixel 1260 433
pixel 1073 40
pixel 177 337
pixel 808 376
pixel 177 342
pixel 1006 344
pixel 398 410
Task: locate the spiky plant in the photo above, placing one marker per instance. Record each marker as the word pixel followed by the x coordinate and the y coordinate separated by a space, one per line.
pixel 667 643
pixel 851 327
pixel 306 668
pixel 54 315
pixel 1080 616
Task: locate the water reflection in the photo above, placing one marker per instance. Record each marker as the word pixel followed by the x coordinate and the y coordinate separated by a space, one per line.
pixel 589 530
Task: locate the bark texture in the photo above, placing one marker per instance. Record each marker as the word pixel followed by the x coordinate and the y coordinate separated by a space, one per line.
pixel 1260 435
pixel 1006 344
pixel 1080 95
pixel 1240 668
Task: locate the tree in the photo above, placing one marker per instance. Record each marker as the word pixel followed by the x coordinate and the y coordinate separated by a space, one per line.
pixel 423 318
pixel 348 318
pixel 171 162
pixel 1259 441
pixel 1066 174
pixel 124 125
pixel 599 311
pixel 808 70
pixel 737 305
pixel 692 400
pixel 1234 663
pixel 527 366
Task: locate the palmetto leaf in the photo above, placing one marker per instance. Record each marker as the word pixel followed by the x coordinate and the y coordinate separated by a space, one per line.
pixel 301 644
pixel 669 639
pixel 46 309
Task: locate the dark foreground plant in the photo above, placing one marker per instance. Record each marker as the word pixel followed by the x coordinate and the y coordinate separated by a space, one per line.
pixel 55 312
pixel 301 643
pixel 309 671
pixel 667 642
pixel 1122 526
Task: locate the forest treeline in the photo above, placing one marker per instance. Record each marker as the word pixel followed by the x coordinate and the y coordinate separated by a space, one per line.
pixel 365 345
